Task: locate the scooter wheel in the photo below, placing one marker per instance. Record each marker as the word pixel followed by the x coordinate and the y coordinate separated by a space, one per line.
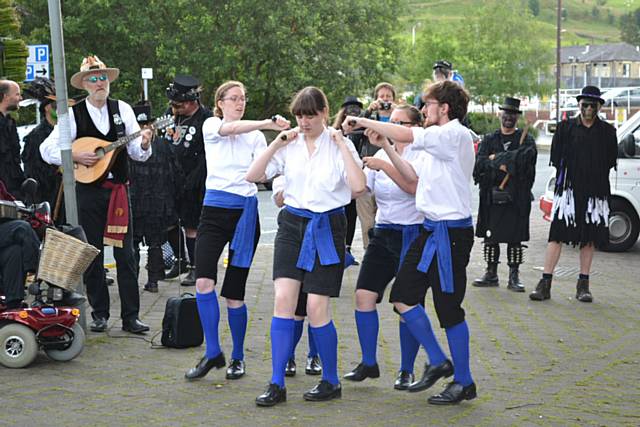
pixel 74 350
pixel 18 345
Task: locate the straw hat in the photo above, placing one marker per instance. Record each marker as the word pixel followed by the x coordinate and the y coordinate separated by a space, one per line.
pixel 90 64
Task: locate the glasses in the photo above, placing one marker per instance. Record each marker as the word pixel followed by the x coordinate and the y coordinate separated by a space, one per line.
pixel 585 105
pixel 431 103
pixel 95 79
pixel 400 122
pixel 235 99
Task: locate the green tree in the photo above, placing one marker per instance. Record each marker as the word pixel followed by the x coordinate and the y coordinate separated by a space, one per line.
pixel 630 27
pixel 534 7
pixel 13 51
pixel 497 52
pixel 342 46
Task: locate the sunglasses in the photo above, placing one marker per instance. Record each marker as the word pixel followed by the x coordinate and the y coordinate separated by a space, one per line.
pixel 95 79
pixel 593 105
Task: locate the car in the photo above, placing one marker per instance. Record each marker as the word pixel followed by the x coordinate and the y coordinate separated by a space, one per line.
pixel 620 97
pixel 624 204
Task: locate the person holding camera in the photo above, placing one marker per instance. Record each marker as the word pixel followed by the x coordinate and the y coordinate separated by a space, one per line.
pixel 505 170
pixel 379 110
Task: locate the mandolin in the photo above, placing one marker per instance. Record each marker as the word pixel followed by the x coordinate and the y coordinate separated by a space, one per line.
pixel 106 152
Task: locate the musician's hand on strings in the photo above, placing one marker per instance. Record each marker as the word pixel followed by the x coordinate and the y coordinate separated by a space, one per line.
pixel 146 138
pixel 86 158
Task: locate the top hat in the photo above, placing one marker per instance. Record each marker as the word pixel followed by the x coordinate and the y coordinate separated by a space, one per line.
pixel 184 88
pixel 351 100
pixel 443 64
pixel 90 64
pixel 142 113
pixel 591 92
pixel 511 104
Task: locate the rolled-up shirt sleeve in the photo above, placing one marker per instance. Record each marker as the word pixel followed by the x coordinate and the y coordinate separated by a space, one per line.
pixel 276 164
pixel 50 147
pixel 211 130
pixel 134 147
pixel 435 141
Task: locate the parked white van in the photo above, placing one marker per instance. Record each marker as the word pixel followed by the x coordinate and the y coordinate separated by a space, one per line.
pixel 624 220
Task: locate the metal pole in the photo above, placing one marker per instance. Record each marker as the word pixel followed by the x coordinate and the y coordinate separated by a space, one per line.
pixel 70 202
pixel 558 46
pixel 146 89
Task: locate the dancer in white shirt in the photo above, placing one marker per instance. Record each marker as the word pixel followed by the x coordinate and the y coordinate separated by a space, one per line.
pixel 322 170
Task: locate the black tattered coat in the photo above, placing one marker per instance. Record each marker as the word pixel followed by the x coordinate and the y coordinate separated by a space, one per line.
pixel 506 223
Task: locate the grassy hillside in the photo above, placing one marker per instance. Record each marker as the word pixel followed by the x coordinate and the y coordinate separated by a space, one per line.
pixel 588 21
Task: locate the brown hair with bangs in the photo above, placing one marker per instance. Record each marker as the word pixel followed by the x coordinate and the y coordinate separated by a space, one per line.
pixel 221 92
pixel 310 101
pixel 383 85
pixel 451 93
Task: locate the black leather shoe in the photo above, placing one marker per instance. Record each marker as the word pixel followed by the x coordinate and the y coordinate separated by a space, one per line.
pixel 453 394
pixel 99 324
pixel 323 391
pixel 235 369
pixel 290 370
pixel 273 395
pixel 204 366
pixel 431 375
pixel 134 326
pixel 582 291
pixel 72 298
pixel 403 380
pixel 314 367
pixel 515 284
pixel 151 287
pixel 178 268
pixel 490 277
pixel 542 291
pixel 190 280
pixel 362 372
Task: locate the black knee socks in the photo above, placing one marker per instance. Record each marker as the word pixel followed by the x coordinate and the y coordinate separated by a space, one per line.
pixel 191 249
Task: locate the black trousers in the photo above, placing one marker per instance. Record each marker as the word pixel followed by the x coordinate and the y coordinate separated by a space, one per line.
pixel 93 203
pixel 19 250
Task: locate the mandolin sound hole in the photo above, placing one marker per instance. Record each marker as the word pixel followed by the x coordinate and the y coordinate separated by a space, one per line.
pixel 100 152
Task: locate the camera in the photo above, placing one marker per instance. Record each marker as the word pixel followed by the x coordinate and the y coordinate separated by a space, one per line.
pixel 384 105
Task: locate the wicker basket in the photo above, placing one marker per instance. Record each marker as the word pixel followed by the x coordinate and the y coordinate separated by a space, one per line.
pixel 64 258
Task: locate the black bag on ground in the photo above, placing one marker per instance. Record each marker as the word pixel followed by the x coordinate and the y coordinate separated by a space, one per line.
pixel 181 326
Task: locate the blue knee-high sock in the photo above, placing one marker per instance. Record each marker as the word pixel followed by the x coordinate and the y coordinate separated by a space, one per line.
pixel 281 343
pixel 297 334
pixel 209 312
pixel 238 324
pixel 409 347
pixel 313 349
pixel 458 337
pixel 420 327
pixel 368 324
pixel 326 338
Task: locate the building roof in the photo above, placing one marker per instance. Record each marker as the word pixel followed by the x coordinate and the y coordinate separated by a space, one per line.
pixel 600 53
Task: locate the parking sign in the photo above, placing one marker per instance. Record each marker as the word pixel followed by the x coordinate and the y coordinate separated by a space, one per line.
pixel 37 62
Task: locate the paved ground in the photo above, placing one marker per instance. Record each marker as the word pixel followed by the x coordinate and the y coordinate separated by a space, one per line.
pixel 559 362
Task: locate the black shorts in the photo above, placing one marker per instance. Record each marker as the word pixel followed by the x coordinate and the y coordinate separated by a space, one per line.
pixel 381 260
pixel 411 285
pixel 216 229
pixel 324 279
pixel 301 308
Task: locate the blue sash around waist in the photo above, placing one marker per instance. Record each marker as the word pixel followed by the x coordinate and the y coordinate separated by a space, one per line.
pixel 244 236
pixel 318 238
pixel 409 234
pixel 439 243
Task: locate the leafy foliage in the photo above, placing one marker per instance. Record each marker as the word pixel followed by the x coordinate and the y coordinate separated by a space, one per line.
pixel 630 27
pixel 275 51
pixel 13 52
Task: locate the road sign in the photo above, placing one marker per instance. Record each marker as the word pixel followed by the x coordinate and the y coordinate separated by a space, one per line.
pixel 147 73
pixel 37 62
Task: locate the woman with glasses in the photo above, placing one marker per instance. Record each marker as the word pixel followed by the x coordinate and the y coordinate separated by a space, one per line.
pixel 397 223
pixel 322 170
pixel 229 215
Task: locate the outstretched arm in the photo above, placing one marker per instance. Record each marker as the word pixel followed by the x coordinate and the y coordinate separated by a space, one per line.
pixel 395 132
pixel 237 127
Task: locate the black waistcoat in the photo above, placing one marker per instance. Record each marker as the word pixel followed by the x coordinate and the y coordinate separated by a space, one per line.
pixel 86 127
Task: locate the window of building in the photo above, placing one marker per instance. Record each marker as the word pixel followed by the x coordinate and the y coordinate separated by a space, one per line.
pixel 626 70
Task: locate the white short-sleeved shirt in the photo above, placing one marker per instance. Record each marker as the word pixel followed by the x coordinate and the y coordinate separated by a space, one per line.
pixel 229 158
pixel 316 182
pixel 444 184
pixel 395 206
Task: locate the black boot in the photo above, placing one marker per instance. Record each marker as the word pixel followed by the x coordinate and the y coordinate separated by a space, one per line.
pixel 179 267
pixel 515 284
pixel 490 277
pixel 543 290
pixel 190 280
pixel 155 264
pixel 582 291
